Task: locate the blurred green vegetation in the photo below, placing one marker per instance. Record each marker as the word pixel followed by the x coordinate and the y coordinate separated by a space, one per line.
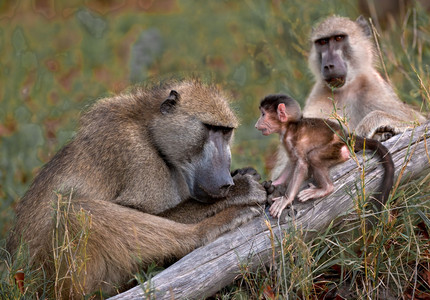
pixel 56 58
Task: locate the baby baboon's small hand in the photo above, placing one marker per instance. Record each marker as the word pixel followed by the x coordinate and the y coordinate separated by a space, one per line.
pixel 278 205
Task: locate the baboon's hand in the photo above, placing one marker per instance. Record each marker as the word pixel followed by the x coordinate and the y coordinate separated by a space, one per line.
pixel 273 191
pixel 278 205
pixel 268 186
pixel 228 219
pixel 384 133
pixel 381 126
pixel 247 170
pixel 247 189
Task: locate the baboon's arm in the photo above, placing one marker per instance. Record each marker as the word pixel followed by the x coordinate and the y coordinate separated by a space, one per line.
pixel 246 191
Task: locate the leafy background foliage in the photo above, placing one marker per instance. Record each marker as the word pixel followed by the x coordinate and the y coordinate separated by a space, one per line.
pixel 57 58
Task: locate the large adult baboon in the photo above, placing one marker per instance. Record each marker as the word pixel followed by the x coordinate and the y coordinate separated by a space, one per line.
pixel 342 59
pixel 136 156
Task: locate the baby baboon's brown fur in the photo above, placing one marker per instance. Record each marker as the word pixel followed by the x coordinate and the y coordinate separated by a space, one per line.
pixel 313 146
pixel 136 157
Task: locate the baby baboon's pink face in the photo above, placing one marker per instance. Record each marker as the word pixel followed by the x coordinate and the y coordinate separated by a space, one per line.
pixel 268 123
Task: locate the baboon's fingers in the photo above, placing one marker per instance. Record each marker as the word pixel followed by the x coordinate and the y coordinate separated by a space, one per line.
pixel 279 204
pixel 247 170
pixel 268 186
pixel 306 195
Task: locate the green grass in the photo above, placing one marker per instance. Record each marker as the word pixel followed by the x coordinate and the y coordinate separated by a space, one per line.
pixel 389 260
pixel 58 58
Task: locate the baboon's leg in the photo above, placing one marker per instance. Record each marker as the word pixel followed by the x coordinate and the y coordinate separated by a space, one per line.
pixel 121 240
pixel 321 160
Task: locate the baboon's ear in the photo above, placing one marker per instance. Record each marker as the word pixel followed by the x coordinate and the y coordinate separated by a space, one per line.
pixel 169 104
pixel 282 113
pixel 361 21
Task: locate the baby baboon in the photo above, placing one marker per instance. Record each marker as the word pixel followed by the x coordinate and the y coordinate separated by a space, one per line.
pixel 342 60
pixel 313 146
pixel 136 157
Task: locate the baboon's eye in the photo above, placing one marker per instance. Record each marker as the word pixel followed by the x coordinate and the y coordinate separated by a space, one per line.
pixel 224 130
pixel 321 42
pixel 339 38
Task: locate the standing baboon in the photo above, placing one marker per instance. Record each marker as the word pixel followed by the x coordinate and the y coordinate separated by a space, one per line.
pixel 313 146
pixel 136 156
pixel 342 60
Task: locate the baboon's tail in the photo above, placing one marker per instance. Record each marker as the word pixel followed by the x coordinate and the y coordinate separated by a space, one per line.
pixel 387 162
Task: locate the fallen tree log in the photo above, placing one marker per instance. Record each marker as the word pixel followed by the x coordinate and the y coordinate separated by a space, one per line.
pixel 206 270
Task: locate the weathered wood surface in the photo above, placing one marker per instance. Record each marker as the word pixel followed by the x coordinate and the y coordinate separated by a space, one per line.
pixel 210 268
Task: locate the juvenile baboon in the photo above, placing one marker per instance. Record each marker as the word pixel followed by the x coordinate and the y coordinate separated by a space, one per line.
pixel 135 157
pixel 313 146
pixel 342 59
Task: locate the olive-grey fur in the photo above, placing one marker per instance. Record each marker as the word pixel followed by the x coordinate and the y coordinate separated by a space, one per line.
pixel 137 156
pixel 367 100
